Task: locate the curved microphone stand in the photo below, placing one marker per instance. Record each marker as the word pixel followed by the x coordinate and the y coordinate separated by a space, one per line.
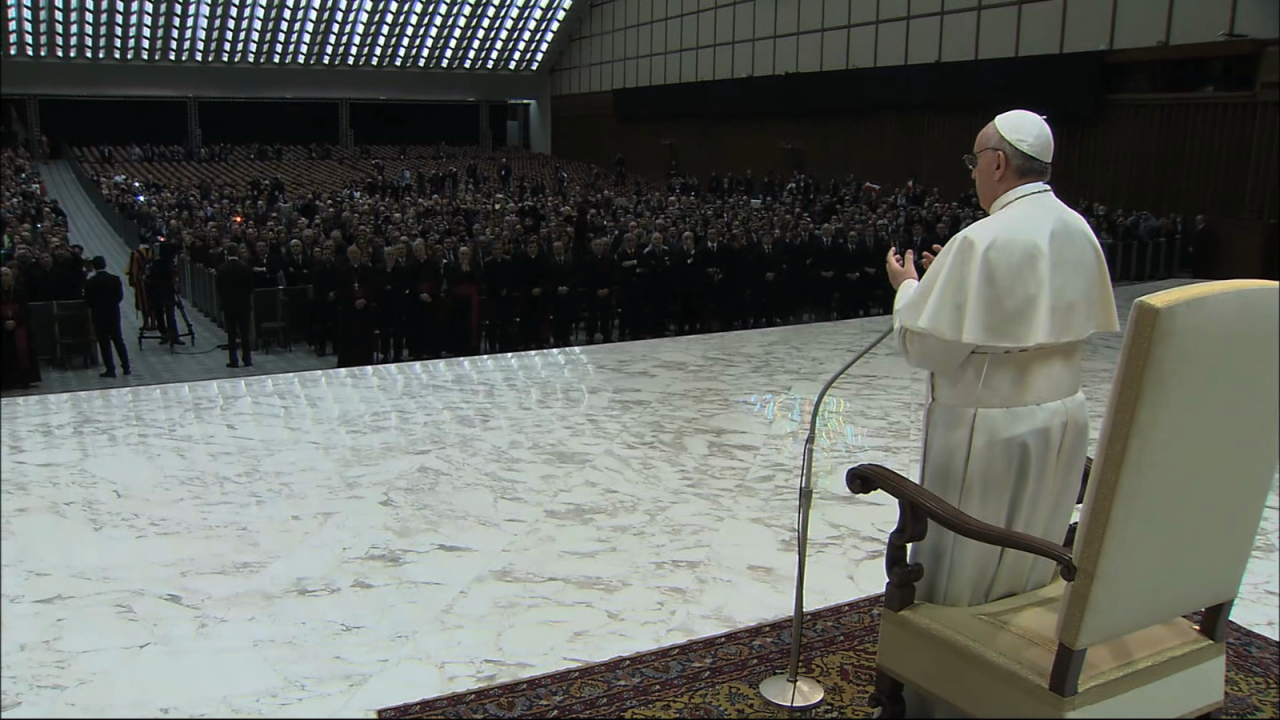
pixel 789 689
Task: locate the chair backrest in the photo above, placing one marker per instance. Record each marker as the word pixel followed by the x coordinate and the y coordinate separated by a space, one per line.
pixel 41 317
pixel 266 305
pixel 1186 457
pixel 74 324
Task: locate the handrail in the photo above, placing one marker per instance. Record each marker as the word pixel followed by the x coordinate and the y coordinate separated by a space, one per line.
pixel 127 229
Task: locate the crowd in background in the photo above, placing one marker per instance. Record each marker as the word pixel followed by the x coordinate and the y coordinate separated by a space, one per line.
pixel 456 251
pixel 37 263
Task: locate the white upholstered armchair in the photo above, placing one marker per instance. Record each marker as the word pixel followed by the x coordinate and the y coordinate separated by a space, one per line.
pixel 1184 463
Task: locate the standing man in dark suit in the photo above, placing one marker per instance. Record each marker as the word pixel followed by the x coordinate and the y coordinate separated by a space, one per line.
pixel 236 282
pixel 102 294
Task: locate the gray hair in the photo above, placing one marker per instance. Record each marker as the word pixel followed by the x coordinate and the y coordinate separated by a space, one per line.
pixel 1022 164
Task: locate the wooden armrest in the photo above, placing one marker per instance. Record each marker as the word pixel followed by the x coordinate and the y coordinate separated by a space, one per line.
pixel 864 479
pixel 1084 479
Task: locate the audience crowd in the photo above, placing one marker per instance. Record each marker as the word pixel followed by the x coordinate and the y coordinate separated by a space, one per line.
pixel 424 251
pixel 38 263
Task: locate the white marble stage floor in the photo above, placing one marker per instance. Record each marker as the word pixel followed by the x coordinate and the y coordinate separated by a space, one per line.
pixel 326 543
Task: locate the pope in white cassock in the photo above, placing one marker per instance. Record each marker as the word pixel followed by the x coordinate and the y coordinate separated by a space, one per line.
pixel 999 322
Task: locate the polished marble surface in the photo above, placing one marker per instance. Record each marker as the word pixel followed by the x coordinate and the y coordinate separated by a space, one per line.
pixel 327 543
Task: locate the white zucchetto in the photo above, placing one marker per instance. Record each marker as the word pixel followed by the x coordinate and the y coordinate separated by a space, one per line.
pixel 1028 132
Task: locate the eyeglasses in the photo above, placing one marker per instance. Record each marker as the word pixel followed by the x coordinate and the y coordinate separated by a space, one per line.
pixel 971 161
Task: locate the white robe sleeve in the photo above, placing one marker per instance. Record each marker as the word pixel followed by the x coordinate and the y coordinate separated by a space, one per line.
pixel 922 350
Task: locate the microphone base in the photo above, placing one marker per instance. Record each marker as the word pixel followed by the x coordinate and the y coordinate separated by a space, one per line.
pixel 805 692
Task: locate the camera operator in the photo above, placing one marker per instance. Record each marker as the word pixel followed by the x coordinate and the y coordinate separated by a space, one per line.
pixel 162 290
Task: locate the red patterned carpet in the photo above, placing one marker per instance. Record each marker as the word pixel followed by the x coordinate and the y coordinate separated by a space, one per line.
pixel 716 677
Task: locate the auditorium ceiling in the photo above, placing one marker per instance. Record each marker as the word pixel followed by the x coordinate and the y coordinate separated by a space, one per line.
pixel 483 35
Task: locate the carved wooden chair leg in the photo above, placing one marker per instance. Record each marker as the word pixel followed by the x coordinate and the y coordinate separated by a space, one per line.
pixel 887 701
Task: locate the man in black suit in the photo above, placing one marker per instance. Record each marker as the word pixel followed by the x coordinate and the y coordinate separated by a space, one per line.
pixel 599 276
pixel 564 291
pixel 102 294
pixel 768 277
pixel 235 282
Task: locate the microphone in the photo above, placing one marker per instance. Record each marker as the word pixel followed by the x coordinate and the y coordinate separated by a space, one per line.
pixel 789 689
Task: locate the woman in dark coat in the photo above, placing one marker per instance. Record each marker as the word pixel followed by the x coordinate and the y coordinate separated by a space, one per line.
pixel 20 369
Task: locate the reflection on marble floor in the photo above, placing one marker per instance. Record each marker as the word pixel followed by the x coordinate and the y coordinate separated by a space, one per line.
pixel 327 543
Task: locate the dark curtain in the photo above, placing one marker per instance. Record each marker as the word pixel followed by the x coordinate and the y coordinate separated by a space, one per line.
pixel 392 123
pixel 257 121
pixel 113 122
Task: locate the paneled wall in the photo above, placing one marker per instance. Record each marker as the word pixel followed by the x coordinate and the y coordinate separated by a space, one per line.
pixel 637 43
pixel 1218 157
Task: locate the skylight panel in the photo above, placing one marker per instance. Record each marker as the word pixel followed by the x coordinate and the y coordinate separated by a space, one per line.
pixel 302 46
pixel 454 34
pixel 458 27
pixel 503 35
pixel 353 38
pixel 252 46
pixel 410 32
pixel 196 39
pixel 429 43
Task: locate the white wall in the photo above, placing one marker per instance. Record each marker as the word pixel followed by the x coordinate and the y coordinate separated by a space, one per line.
pixel 633 43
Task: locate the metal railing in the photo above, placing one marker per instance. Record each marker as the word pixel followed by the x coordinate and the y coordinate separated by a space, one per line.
pixel 128 230
pixel 290 306
pixel 1144 260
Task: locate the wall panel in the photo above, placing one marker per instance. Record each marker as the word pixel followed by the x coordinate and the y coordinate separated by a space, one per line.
pixel 742 59
pixel 835 50
pixel 893 9
pixel 763 64
pixel 810 53
pixel 1257 18
pixel 923 36
pixel 724 62
pixel 862 46
pixel 1040 28
pixel 1140 23
pixel 891 43
pixel 784 54
pixel 997 33
pixel 1088 26
pixel 960 36
pixel 1197 21
pixel 835 13
pixel 805 35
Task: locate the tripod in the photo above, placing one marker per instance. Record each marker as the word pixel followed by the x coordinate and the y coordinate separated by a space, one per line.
pixel 168 321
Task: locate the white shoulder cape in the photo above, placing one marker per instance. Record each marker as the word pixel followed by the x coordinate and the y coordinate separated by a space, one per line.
pixel 1030 274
